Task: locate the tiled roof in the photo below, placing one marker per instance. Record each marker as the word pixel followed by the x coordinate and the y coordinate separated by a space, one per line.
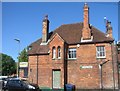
pixel 71 34
pixel 36 48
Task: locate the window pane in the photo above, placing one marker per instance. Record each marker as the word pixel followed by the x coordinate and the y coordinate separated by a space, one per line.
pixel 103 53
pixel 59 50
pixel 69 54
pixel 98 49
pixel 100 53
pixel 75 54
pixel 54 52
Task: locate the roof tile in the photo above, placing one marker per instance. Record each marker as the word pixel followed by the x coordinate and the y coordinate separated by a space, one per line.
pixel 71 34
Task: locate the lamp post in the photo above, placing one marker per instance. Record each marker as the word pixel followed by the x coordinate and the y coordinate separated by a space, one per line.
pixel 18 40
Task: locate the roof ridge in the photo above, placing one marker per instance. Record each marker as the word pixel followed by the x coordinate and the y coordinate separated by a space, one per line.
pixel 71 34
pixel 72 23
pixel 40 39
pixel 97 30
pixel 65 25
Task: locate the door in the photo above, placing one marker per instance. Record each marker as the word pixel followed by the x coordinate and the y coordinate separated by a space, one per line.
pixel 56 79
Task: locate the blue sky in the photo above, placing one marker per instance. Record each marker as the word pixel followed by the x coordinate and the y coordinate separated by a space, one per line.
pixel 23 20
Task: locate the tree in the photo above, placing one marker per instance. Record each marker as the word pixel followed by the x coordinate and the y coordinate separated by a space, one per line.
pixel 23 56
pixel 8 65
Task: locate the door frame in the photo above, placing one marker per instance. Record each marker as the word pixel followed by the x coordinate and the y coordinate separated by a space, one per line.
pixel 52 76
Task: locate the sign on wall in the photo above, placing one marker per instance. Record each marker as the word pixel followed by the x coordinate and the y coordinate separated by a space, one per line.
pixel 23 64
pixel 86 67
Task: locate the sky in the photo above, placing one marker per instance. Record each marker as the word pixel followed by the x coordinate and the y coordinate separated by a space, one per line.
pixel 23 20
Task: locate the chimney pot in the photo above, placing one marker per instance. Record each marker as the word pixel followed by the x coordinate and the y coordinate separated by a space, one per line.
pixel 108 29
pixel 46 16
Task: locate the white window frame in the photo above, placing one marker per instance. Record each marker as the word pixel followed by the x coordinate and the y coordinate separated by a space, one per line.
pixel 73 53
pixel 53 53
pixel 100 51
pixel 59 52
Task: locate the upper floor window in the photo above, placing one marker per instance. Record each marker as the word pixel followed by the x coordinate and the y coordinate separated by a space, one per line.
pixel 54 53
pixel 100 52
pixel 72 53
pixel 59 52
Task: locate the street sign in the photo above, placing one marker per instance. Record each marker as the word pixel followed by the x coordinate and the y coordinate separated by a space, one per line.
pixel 23 64
pixel 86 67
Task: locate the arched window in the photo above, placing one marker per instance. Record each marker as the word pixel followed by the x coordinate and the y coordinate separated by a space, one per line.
pixel 59 52
pixel 53 53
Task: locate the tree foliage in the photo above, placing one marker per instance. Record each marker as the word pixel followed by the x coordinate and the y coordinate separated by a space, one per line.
pixel 23 56
pixel 8 65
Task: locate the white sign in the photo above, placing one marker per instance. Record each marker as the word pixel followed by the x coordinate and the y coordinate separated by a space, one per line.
pixel 118 49
pixel 86 67
pixel 23 64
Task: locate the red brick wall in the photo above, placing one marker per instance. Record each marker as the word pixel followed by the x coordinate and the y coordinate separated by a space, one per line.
pixel 82 78
pixel 32 69
pixel 46 64
pixel 21 73
pixel 57 63
pixel 90 77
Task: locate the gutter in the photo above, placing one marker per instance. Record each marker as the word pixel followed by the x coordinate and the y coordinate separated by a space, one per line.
pixel 92 42
pixel 33 54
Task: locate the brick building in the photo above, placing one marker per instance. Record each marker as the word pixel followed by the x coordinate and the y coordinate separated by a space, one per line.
pixel 118 56
pixel 78 54
pixel 23 70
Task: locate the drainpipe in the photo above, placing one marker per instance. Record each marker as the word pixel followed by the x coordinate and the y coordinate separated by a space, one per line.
pixel 113 66
pixel 65 66
pixel 37 71
pixel 117 64
pixel 101 81
pixel 101 75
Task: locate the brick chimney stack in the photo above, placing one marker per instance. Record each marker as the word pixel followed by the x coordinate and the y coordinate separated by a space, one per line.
pixel 109 29
pixel 86 32
pixel 45 30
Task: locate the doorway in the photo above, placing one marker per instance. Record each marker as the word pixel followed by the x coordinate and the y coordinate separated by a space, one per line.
pixel 56 80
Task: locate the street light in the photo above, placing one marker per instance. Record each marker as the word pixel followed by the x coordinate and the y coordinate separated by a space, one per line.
pixel 18 40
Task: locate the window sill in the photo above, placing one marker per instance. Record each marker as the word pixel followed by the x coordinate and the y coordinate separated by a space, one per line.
pixel 59 58
pixel 56 58
pixel 53 58
pixel 101 57
pixel 72 58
